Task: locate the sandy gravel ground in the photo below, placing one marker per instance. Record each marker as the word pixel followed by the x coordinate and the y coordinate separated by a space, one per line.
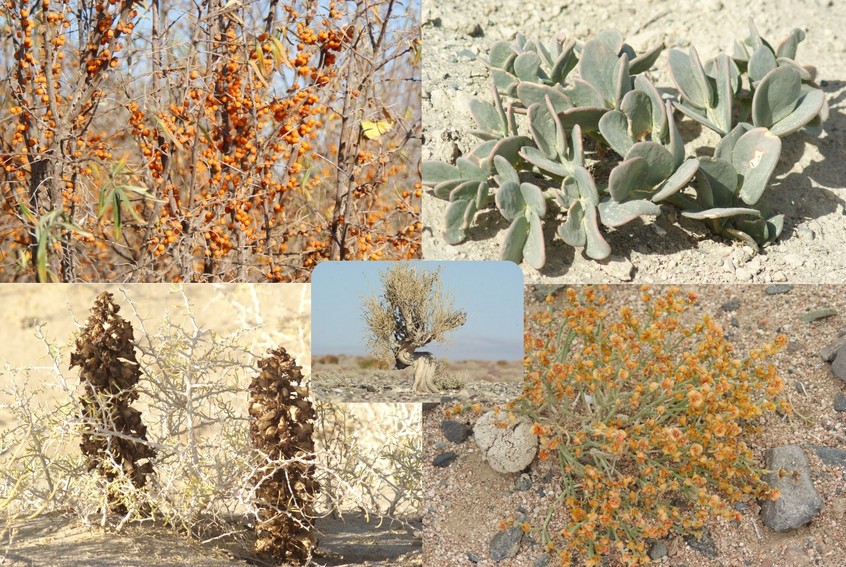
pixel 354 379
pixel 466 500
pixel 809 186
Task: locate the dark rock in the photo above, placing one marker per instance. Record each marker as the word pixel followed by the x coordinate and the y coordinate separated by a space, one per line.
pixel 834 457
pixel 472 557
pixel 799 501
pixel 444 459
pixel 455 431
pixel 542 561
pixel 428 406
pixel 839 402
pixel 776 289
pixel 829 352
pixel 838 365
pixel 704 544
pixel 505 544
pixel 731 305
pixel 658 550
pixel 475 30
pixel 523 482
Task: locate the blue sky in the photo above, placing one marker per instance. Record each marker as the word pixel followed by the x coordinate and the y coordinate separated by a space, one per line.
pixel 490 292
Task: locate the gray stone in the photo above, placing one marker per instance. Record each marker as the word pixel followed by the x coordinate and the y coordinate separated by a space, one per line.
pixel 523 482
pixel 838 365
pixel 507 449
pixel 454 431
pixel 829 352
pixel 475 30
pixel 658 550
pixel 472 557
pixel 704 544
pixel 617 267
pixel 444 459
pixel 834 457
pixel 505 544
pixel 839 402
pixel 777 289
pixel 731 305
pixel 542 561
pixel 817 314
pixel 799 501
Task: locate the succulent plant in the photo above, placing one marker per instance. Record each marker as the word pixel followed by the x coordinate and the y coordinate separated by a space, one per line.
pixel 533 166
pixel 113 433
pixel 281 428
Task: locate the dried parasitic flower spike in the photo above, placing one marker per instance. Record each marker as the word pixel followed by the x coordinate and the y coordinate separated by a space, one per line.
pixel 113 434
pixel 281 428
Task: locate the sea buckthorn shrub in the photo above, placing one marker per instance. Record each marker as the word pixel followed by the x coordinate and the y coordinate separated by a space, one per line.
pixel 206 142
pixel 648 419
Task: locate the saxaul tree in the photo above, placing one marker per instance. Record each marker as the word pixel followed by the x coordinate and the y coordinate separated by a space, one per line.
pixel 206 141
pixel 282 428
pixel 114 439
pixel 411 312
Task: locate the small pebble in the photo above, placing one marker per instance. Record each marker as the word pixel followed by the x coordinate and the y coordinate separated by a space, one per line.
pixel 455 431
pixel 523 482
pixel 817 314
pixel 731 305
pixel 658 550
pixel 777 289
pixel 839 402
pixel 505 544
pixel 444 459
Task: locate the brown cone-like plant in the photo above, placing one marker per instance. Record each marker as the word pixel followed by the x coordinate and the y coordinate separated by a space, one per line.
pixel 281 428
pixel 109 373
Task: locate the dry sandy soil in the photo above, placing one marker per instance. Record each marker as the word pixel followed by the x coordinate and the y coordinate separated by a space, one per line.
pixel 809 185
pixel 466 500
pixel 355 379
pixel 269 315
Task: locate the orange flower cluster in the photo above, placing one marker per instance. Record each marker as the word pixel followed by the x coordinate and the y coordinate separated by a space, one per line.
pixel 647 419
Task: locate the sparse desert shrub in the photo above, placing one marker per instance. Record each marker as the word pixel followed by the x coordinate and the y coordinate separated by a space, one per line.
pixel 114 440
pixel 647 419
pixel 411 312
pixel 281 430
pixel 534 165
pixel 450 381
pixel 328 359
pixel 366 363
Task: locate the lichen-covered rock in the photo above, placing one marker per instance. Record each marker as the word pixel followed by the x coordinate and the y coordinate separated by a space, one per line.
pixel 281 428
pixel 799 501
pixel 507 445
pixel 109 373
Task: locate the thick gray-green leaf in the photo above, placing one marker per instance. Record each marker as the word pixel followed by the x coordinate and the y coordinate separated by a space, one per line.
pixel 677 180
pixel 627 177
pixel 776 96
pixel 810 105
pixel 527 66
pixel 660 161
pixel 443 189
pixel 469 170
pixel 483 196
pixel 638 107
pixel 622 80
pixel 583 93
pixel 587 188
pixel 509 148
pixel 595 245
pixel 614 127
pixel 805 73
pixel 616 214
pixel 505 170
pixel 565 63
pixel 724 93
pixel 486 116
pixel 572 231
pixel 505 82
pixel 532 93
pixel 761 62
pixel 515 240
pixel 787 48
pixel 755 156
pixel 675 144
pixel 533 197
pixel 500 52
pixel 659 117
pixel 435 172
pixel 534 251
pixel 725 146
pixel 455 222
pixel 720 213
pixel 586 117
pixel 696 114
pixel 597 66
pixel 542 130
pixel 465 191
pixel 645 61
pixel 611 38
pixel 509 200
pixel 716 183
pixel 689 78
pixel 538 159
